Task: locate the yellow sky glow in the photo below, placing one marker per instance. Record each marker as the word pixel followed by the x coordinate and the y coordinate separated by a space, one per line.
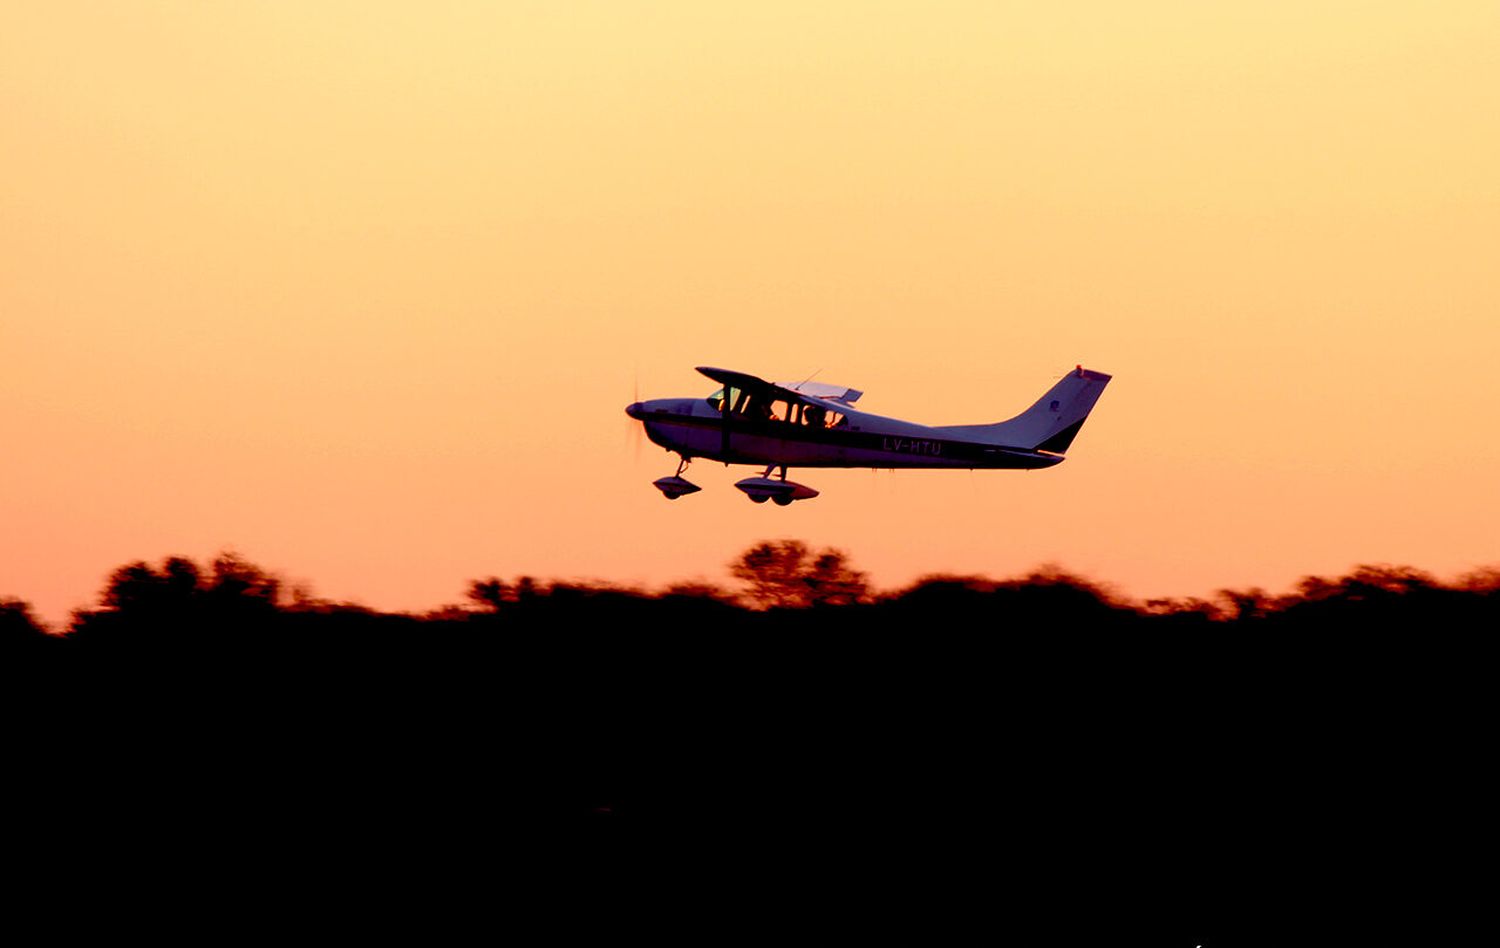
pixel 360 290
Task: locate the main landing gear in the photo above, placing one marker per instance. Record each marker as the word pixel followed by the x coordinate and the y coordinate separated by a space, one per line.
pixel 675 486
pixel 758 489
pixel 782 491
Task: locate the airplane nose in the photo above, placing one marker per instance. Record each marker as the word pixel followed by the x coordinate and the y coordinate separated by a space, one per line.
pixel 636 410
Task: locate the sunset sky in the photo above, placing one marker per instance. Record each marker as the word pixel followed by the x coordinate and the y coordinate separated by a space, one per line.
pixel 360 290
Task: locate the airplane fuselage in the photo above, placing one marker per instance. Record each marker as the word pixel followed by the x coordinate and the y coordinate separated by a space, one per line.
pixel 694 428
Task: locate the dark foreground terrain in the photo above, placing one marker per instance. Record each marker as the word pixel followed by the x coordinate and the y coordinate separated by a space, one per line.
pixel 1029 751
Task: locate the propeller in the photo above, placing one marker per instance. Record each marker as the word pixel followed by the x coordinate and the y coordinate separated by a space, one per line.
pixel 635 432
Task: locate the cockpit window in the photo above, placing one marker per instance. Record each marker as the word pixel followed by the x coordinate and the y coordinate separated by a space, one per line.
pixel 736 401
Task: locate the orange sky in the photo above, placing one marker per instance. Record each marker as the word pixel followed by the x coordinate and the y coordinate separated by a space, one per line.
pixel 360 290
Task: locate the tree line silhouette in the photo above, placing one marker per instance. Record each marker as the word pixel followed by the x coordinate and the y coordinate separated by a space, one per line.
pixel 780 582
pixel 1211 744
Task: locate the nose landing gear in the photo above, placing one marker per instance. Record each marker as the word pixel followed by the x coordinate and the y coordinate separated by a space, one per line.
pixel 675 486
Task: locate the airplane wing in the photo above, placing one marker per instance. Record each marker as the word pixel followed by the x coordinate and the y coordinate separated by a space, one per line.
pixel 797 391
pixel 741 380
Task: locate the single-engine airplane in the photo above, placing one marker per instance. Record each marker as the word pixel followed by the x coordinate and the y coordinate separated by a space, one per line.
pixel 814 424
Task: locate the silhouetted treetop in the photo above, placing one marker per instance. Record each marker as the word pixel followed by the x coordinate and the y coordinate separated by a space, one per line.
pixel 18 627
pixel 1485 579
pixel 235 578
pixel 490 593
pixel 1366 582
pixel 179 583
pixel 1240 604
pixel 179 601
pixel 785 574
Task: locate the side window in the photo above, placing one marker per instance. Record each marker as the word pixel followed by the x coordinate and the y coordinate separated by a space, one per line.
pixel 754 407
pixel 816 416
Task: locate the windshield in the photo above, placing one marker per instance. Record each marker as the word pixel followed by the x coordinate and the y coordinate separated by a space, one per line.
pixel 779 409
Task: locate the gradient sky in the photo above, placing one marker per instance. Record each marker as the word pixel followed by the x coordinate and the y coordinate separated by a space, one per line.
pixel 360 290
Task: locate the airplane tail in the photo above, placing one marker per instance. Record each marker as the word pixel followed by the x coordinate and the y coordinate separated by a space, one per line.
pixel 1053 422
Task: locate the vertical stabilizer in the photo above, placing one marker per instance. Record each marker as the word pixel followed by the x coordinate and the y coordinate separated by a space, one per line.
pixel 1053 422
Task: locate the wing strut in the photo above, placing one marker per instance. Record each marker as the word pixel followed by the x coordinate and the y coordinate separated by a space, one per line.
pixel 724 407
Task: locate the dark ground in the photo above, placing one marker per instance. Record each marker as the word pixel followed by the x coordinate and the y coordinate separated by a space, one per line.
pixel 1038 761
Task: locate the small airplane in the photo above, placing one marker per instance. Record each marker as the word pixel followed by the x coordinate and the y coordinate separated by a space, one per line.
pixel 814 424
